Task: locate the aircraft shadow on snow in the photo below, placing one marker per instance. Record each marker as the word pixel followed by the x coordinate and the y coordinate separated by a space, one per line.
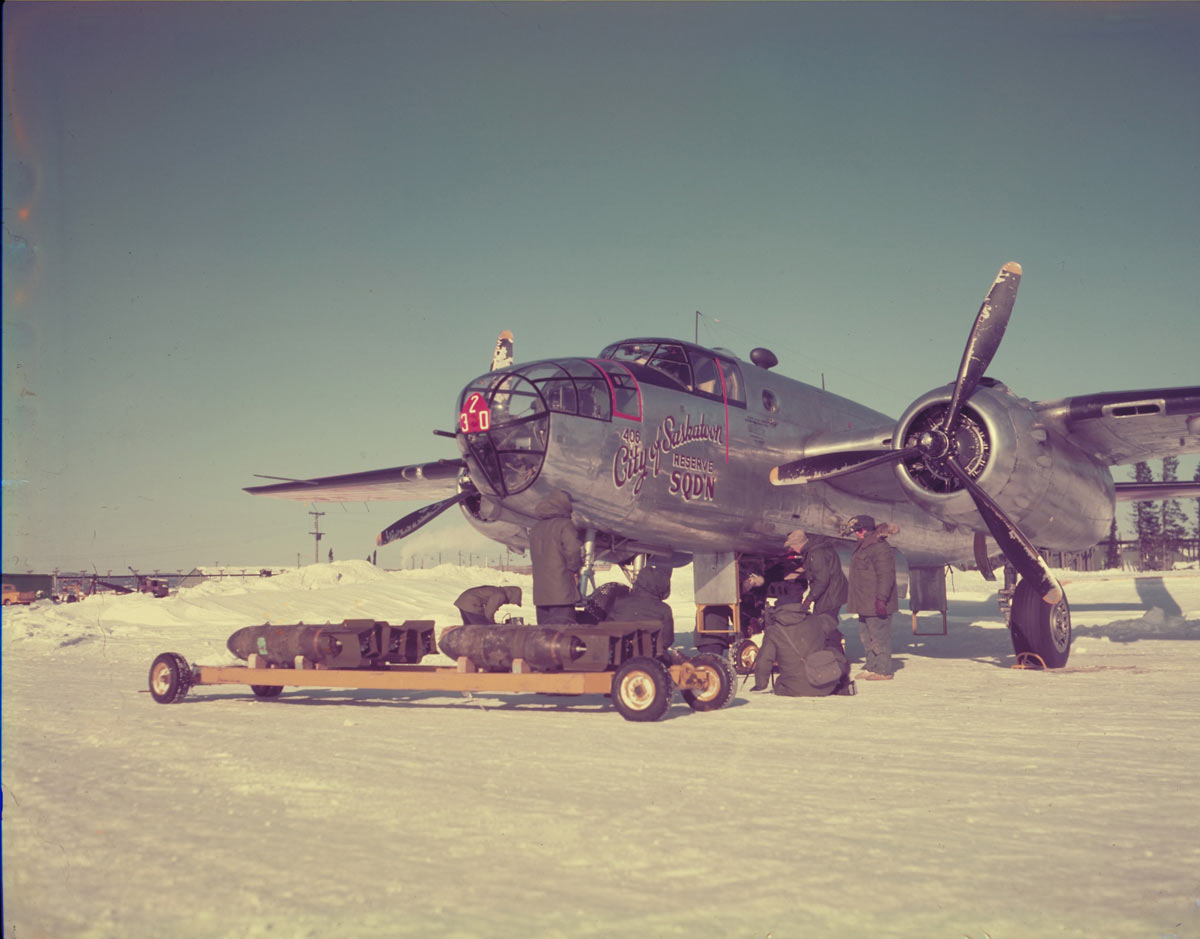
pixel 1156 615
pixel 489 701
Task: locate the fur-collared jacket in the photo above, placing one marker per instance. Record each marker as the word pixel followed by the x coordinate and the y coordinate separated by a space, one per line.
pixel 873 574
pixel 556 551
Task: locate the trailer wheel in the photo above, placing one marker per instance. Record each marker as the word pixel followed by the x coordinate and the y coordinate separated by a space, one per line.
pixel 745 656
pixel 721 683
pixel 1039 627
pixel 170 678
pixel 267 691
pixel 642 689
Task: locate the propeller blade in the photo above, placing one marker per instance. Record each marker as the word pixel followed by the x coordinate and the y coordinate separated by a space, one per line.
pixel 1012 541
pixel 414 520
pixel 990 323
pixel 838 463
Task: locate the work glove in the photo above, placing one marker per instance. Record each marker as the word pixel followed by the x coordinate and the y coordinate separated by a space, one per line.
pixel 881 609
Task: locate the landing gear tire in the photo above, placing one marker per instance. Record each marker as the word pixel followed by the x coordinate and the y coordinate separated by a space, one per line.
pixel 721 683
pixel 744 656
pixel 267 691
pixel 1040 628
pixel 642 689
pixel 170 678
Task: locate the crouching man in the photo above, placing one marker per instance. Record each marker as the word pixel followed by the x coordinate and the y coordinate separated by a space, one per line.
pixel 479 604
pixel 807 666
pixel 651 587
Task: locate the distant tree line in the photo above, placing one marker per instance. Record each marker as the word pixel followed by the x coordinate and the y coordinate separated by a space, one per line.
pixel 1162 527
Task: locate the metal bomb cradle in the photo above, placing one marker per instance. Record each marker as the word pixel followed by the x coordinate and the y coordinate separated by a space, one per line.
pixel 622 660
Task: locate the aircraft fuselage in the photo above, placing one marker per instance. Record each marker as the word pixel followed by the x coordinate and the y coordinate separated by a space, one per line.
pixel 673 460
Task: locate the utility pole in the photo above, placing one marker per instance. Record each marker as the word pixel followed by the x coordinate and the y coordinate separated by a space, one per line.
pixel 316 533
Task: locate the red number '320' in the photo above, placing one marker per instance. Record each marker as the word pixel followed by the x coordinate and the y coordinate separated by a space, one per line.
pixel 475 416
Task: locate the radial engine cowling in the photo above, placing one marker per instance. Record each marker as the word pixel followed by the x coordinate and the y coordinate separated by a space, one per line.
pixel 1060 496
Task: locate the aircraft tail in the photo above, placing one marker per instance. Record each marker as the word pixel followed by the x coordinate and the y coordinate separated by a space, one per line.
pixel 503 356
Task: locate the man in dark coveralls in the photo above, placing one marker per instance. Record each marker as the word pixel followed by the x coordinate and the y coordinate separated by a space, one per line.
pixel 557 554
pixel 478 605
pixel 651 586
pixel 796 642
pixel 827 585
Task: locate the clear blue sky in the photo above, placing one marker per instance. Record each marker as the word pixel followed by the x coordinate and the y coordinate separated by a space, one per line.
pixel 277 238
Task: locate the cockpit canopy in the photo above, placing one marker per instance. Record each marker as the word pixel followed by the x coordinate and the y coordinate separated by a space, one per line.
pixel 693 368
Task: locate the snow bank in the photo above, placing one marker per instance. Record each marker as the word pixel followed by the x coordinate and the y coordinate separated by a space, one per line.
pixel 962 799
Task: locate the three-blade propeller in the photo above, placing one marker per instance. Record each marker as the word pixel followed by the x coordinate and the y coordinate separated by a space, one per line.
pixel 936 445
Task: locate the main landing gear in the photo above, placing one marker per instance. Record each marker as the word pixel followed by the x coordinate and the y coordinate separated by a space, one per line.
pixel 1041 631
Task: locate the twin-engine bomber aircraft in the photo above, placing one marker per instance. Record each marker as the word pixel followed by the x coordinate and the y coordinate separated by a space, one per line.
pixel 672 450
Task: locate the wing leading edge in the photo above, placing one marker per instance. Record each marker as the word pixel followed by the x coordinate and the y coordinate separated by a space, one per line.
pixel 1128 426
pixel 395 484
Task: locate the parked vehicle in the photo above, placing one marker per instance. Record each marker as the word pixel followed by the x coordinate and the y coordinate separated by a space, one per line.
pixel 14 596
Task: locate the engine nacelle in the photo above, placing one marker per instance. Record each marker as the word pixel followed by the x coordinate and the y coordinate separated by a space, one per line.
pixel 488 517
pixel 1058 495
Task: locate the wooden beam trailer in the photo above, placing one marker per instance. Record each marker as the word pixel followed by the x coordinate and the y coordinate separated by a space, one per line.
pixel 621 660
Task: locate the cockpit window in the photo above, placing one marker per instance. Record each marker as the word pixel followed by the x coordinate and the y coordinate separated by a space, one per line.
pixel 672 360
pixel 707 375
pixel 665 357
pixel 626 395
pixel 733 381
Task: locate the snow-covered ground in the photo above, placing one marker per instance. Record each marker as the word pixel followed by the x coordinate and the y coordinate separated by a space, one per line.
pixel 962 799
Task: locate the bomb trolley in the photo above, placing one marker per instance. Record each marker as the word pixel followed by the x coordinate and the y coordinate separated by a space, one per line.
pixel 621 660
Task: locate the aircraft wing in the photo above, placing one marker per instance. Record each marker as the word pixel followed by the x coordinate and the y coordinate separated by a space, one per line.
pixel 1128 426
pixel 417 481
pixel 1153 492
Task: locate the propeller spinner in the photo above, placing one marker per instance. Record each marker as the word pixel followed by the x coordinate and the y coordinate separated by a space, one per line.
pixel 943 445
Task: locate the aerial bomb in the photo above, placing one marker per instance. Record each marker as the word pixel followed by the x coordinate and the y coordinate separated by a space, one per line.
pixel 495 647
pixel 354 643
pixel 280 645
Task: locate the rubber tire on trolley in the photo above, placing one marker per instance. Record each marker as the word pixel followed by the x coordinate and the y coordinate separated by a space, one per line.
pixel 744 656
pixel 170 678
pixel 642 689
pixel 721 683
pixel 1039 627
pixel 267 691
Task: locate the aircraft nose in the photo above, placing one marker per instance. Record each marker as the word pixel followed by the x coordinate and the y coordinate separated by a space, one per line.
pixel 503 426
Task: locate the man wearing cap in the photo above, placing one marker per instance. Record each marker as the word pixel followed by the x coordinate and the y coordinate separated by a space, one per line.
pixel 872 595
pixel 827 586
